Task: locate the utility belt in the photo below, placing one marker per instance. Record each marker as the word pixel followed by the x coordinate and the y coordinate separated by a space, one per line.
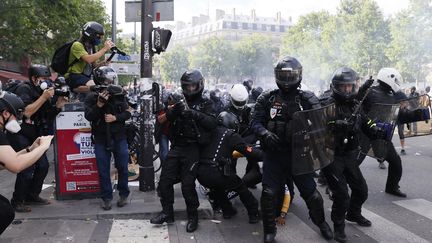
pixel 225 165
pixel 283 129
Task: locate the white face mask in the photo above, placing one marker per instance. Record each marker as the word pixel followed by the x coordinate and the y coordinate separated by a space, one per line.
pixel 13 126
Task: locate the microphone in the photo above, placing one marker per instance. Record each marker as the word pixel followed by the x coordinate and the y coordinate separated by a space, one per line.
pixel 114 49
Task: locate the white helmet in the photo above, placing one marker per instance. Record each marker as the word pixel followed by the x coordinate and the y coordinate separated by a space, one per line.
pixel 239 96
pixel 391 77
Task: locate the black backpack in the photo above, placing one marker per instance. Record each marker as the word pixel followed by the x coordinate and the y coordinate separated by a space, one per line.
pixel 12 85
pixel 59 62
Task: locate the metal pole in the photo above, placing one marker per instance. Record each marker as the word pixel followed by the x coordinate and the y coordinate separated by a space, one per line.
pixel 134 48
pixel 145 159
pixel 146 42
pixel 114 22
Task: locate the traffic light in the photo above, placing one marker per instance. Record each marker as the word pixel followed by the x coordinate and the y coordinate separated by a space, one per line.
pixel 161 38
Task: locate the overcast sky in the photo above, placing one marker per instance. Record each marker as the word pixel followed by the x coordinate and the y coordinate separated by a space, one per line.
pixel 185 9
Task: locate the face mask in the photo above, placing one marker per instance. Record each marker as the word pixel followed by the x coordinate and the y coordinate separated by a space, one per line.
pixel 97 41
pixel 12 126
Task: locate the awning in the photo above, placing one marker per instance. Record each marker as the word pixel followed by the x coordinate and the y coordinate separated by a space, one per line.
pixel 6 75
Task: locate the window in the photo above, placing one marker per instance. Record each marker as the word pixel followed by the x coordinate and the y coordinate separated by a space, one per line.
pixel 282 28
pixel 254 26
pixel 244 26
pixel 263 27
pixel 224 25
pixel 234 25
pixel 273 28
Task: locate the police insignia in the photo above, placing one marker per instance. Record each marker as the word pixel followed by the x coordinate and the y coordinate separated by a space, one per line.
pixel 273 113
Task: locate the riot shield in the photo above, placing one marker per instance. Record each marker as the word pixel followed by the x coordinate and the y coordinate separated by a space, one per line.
pixel 414 115
pixel 312 140
pixel 385 116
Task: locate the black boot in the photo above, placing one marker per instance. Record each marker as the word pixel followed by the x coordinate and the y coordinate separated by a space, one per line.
pixel 192 223
pixel 268 215
pixel 162 218
pixel 339 233
pixel 316 213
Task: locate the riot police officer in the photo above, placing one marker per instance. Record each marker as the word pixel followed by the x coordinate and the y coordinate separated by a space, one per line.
pixel 271 122
pixel 238 106
pixel 217 168
pixel 384 93
pixel 345 169
pixel 191 123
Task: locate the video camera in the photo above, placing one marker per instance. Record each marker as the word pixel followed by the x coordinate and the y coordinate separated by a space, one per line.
pixel 59 85
pixel 115 91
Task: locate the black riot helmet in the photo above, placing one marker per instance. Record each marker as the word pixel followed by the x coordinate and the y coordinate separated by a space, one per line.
pixel 37 70
pixel 92 31
pixel 192 84
pixel 288 74
pixel 344 84
pixel 104 75
pixel 12 103
pixel 228 120
pixel 248 83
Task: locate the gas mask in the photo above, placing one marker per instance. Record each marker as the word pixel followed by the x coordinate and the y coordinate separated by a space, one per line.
pixel 12 126
pixel 97 41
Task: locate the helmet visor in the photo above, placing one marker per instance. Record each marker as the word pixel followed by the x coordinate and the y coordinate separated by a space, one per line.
pixel 345 88
pixel 238 104
pixel 190 88
pixel 288 75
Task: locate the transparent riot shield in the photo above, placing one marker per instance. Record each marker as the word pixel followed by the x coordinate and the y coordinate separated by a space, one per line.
pixel 385 116
pixel 414 115
pixel 312 140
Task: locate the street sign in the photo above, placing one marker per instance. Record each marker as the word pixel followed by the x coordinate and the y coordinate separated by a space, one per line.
pixel 126 68
pixel 163 10
pixel 134 58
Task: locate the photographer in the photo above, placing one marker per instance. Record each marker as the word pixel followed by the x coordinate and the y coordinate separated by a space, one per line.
pixel 11 107
pixel 39 115
pixel 107 110
pixel 83 57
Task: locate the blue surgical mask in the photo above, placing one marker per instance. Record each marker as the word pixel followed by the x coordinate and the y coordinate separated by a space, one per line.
pixel 97 41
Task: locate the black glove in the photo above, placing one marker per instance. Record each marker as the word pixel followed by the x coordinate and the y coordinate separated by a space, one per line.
pixel 176 110
pixel 190 114
pixel 270 139
pixel 380 133
pixel 343 125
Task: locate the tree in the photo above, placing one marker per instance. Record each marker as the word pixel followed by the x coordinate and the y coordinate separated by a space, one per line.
pixel 253 57
pixel 213 58
pixel 173 64
pixel 36 28
pixel 411 49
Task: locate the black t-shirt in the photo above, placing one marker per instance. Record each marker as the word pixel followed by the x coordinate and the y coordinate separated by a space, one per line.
pixel 3 139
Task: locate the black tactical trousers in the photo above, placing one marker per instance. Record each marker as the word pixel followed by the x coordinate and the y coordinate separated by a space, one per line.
pixel 345 170
pixel 395 163
pixel 7 213
pixel 180 165
pixel 394 169
pixel 211 177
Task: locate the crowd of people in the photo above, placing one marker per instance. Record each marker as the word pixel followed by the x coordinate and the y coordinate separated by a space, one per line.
pixel 201 137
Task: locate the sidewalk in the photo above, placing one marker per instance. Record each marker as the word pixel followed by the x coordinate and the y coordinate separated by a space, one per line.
pixel 141 204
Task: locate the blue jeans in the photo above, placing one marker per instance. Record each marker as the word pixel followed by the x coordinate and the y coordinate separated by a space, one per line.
pixel 103 159
pixel 163 147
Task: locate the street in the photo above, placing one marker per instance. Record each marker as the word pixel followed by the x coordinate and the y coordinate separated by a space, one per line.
pixel 393 219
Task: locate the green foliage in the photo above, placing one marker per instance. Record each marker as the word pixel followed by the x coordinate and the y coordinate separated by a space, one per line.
pixel 411 47
pixel 173 64
pixel 252 57
pixel 37 27
pixel 213 57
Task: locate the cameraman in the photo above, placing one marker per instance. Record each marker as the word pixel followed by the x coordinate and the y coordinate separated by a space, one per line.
pixel 39 115
pixel 83 57
pixel 11 107
pixel 107 110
